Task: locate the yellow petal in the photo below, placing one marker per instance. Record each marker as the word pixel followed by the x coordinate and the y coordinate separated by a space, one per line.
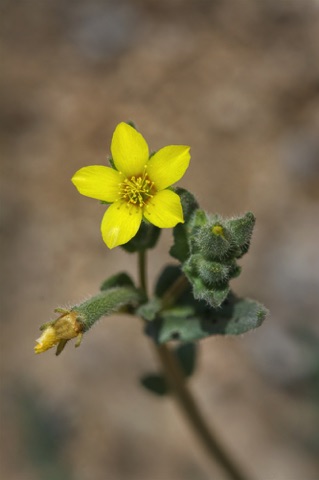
pixel 129 150
pixel 120 223
pixel 168 165
pixel 47 340
pixel 98 182
pixel 164 210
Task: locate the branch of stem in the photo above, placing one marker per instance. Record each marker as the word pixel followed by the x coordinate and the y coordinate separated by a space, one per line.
pixel 176 380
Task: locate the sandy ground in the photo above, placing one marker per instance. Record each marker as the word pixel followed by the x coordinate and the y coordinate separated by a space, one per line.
pixel 239 82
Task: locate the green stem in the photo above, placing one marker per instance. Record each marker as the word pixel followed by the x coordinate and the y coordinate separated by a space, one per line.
pixel 176 380
pixel 174 291
pixel 142 270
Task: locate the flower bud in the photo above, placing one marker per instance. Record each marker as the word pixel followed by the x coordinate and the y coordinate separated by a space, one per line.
pixel 209 279
pixel 241 229
pixel 213 273
pixel 214 241
pixel 213 296
pixel 59 331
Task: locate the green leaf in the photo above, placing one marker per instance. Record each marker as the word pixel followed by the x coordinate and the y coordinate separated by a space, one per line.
pixel 180 249
pixel 119 280
pixel 155 383
pixel 146 237
pixel 149 310
pixel 197 320
pixel 168 276
pixel 186 354
pixel 241 229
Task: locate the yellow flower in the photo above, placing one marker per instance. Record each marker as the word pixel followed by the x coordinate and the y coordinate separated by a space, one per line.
pixel 59 332
pixel 136 187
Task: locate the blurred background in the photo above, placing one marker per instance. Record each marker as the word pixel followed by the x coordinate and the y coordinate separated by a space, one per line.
pixel 239 82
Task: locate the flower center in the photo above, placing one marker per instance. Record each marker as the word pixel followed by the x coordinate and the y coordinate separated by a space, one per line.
pixel 137 190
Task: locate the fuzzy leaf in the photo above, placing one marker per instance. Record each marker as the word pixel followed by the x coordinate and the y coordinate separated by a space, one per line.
pixel 180 249
pixel 193 322
pixel 155 383
pixel 241 229
pixel 149 310
pixel 119 280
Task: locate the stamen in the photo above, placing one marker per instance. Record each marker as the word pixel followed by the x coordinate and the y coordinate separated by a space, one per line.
pixel 137 190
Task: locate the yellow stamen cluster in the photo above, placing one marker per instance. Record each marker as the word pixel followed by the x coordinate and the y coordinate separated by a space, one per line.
pixel 137 190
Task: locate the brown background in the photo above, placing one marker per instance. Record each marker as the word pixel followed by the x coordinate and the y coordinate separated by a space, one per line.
pixel 239 82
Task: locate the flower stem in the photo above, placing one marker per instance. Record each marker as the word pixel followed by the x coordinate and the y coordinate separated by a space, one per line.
pixel 176 380
pixel 142 270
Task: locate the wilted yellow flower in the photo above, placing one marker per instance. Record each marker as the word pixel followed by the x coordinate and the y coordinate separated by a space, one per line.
pixel 59 332
pixel 137 187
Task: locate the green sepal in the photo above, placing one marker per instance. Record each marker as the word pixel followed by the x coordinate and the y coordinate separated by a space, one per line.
pixel 211 273
pixel 122 279
pixel 198 220
pixel 180 248
pixel 214 296
pixel 146 237
pixel 63 311
pixel 131 124
pixel 197 320
pixel 209 279
pixel 60 347
pixel 241 229
pixel 111 162
pixel 235 270
pixel 214 274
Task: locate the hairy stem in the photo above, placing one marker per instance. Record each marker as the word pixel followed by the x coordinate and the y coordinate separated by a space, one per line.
pixel 142 260
pixel 176 380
